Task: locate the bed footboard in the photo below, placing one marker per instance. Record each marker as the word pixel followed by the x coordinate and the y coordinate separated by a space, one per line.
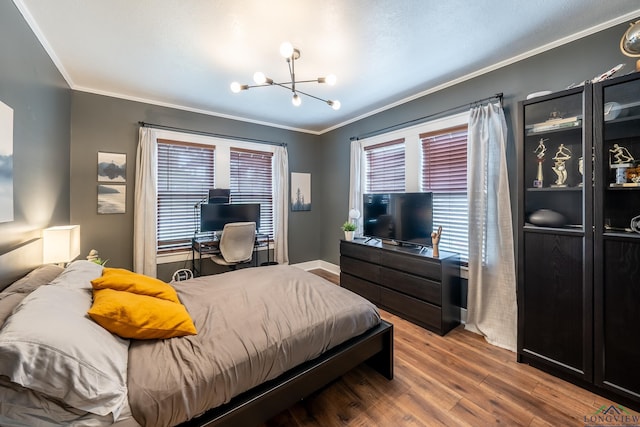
pixel 267 400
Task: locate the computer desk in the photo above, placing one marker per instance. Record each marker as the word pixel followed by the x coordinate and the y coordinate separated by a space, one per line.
pixel 208 245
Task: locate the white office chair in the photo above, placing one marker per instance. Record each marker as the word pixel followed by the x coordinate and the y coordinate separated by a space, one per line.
pixel 236 244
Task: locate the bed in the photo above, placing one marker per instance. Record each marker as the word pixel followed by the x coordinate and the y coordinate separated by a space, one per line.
pixel 241 368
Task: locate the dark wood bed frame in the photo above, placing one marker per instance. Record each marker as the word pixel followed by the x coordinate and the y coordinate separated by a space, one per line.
pixel 259 404
pixel 266 400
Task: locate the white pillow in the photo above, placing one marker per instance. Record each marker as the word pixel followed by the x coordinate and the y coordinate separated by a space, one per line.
pixel 50 345
pixel 78 275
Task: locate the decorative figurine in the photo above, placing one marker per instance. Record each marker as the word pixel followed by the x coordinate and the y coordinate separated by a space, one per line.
pixel 581 169
pixel 435 239
pixel 620 155
pixel 562 155
pixel 620 160
pixel 539 151
pixel 94 256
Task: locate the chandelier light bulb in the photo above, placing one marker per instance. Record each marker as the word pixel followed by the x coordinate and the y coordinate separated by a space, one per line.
pixel 286 49
pixel 331 79
pixel 235 87
pixel 334 104
pixel 296 100
pixel 259 78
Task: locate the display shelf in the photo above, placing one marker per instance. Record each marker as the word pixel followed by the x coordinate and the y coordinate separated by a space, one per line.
pixel 568 230
pixel 625 186
pixel 544 189
pixel 621 235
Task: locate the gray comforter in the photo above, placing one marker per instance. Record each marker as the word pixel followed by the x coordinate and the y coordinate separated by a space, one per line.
pixel 253 325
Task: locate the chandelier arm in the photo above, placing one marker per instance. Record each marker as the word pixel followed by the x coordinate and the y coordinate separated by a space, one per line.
pixel 292 71
pixel 281 84
pixel 312 96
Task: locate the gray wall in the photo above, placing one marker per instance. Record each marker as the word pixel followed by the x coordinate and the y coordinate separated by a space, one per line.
pixel 32 86
pixel 553 70
pixel 58 132
pixel 102 123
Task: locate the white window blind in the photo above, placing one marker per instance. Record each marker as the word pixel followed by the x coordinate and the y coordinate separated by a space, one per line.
pixel 185 175
pixel 251 182
pixel 385 167
pixel 444 172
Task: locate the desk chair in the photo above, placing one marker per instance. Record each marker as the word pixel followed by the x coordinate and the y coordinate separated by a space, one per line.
pixel 236 244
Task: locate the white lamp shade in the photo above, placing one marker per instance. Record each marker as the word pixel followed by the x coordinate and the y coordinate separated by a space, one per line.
pixel 60 244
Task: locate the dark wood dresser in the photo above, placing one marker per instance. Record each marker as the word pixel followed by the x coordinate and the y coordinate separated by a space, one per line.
pixel 406 281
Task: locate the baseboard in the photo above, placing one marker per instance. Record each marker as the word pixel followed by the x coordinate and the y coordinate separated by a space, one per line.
pixel 323 265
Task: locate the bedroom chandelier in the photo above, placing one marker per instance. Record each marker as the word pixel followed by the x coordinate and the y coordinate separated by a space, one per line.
pixel 290 54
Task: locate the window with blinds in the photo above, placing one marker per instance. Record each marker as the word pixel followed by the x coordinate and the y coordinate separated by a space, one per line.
pixel 444 172
pixel 385 167
pixel 251 182
pixel 185 175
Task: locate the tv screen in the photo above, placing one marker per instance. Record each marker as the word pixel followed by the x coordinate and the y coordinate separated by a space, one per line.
pixel 399 217
pixel 213 216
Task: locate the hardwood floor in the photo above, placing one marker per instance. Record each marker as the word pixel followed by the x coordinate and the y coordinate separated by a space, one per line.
pixel 455 380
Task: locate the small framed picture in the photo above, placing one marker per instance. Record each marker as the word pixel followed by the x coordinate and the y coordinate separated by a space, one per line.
pixel 112 199
pixel 300 191
pixel 112 167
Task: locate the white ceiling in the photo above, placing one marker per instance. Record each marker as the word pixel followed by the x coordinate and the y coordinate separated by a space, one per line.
pixel 185 53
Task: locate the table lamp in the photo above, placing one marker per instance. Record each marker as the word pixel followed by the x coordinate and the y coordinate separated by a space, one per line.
pixel 60 244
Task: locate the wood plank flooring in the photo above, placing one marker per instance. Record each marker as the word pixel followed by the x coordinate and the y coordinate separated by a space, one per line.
pixel 455 380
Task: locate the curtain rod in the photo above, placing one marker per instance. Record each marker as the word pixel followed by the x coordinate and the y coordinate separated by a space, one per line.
pixel 217 135
pixel 425 118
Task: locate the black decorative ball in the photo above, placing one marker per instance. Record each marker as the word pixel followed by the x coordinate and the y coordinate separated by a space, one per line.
pixel 547 218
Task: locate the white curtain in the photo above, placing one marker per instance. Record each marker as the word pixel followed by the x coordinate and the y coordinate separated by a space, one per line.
pixel 491 303
pixel 145 206
pixel 281 205
pixel 355 181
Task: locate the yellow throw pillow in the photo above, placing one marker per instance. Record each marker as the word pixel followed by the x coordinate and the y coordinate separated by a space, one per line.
pixel 140 317
pixel 120 279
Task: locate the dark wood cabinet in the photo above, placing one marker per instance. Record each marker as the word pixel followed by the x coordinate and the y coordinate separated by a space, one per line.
pixel 578 272
pixel 617 245
pixel 555 241
pixel 406 281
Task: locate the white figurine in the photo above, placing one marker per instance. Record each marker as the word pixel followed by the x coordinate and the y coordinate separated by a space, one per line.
pixel 562 155
pixel 621 155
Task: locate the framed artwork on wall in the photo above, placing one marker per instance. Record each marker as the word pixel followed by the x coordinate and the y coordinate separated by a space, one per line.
pixel 6 163
pixel 300 191
pixel 112 167
pixel 112 199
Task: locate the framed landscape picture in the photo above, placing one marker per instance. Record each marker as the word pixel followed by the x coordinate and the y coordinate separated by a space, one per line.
pixel 112 167
pixel 112 199
pixel 300 191
pixel 6 163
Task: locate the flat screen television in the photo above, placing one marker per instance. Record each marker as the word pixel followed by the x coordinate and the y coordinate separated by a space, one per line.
pixel 399 217
pixel 213 216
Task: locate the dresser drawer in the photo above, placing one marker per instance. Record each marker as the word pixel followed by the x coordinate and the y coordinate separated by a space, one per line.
pixel 363 252
pixel 411 285
pixel 420 312
pixel 358 268
pixel 415 265
pixel 361 287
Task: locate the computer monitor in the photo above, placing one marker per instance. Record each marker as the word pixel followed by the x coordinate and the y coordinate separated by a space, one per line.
pixel 213 216
pixel 219 195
